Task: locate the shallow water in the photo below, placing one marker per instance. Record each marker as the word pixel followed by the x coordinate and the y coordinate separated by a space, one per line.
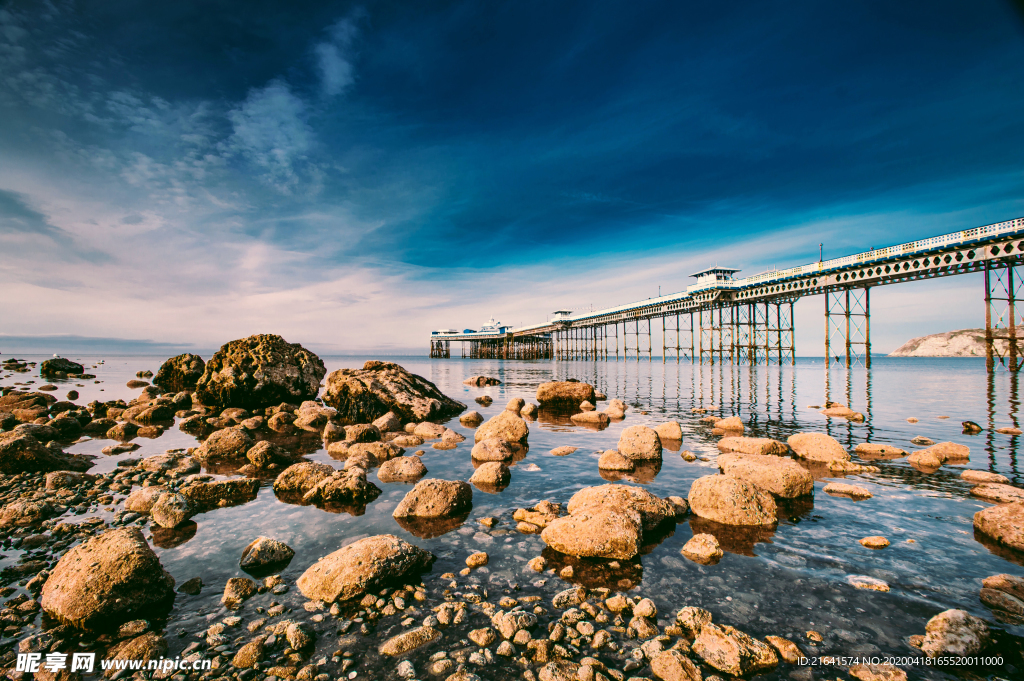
pixel 783 582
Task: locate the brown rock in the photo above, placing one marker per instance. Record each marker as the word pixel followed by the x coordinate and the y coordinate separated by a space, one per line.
pixel 1011 584
pixel 22 453
pixel 250 654
pixel 752 445
pixel 481 381
pixel 731 501
pixel 301 477
pixel 703 549
pixel 1003 523
pixel 1000 600
pixel 471 419
pixel 408 640
pixel 475 560
pixel 612 460
pixel 817 447
pixel 180 373
pixel 671 665
pixel 590 418
pixel 236 591
pixel 402 469
pixel 361 395
pixel 206 496
pixel 264 552
pixel 786 649
pixel 732 423
pixel 998 492
pixel 871 450
pixel 565 393
pixel 433 498
pixel 670 430
pixel 227 444
pixel 877 672
pixel 955 633
pixel 560 670
pixel 983 476
pixel 142 499
pixel 842 489
pixel 652 510
pixel 562 451
pixel 780 476
pixel 505 426
pixel 111 578
pixel 343 488
pixel 492 449
pixel 733 652
pixel 596 531
pixel 691 620
pixel 366 565
pixel 875 542
pixel 490 475
pixel 640 443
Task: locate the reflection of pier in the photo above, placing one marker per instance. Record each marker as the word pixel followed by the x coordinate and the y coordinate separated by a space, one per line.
pixel 724 320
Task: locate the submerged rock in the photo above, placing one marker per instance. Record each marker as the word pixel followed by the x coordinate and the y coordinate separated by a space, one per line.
pixel 366 565
pixel 752 445
pixel 260 371
pixel 703 548
pixel 109 579
pixel 362 395
pixel 955 633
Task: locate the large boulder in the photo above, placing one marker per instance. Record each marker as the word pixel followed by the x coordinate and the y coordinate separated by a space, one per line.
pixel 640 443
pixel 301 477
pixel 730 501
pixel 652 510
pixel 343 488
pixel 180 373
pixel 59 365
pixel 433 498
pixel 226 444
pixel 596 532
pixel 752 445
pixel 567 393
pixel 733 652
pixel 402 469
pixel 362 395
pixel 108 580
pixel 1004 523
pixel 366 565
pixel 492 449
pixel 206 496
pixel 955 633
pixel 20 452
pixel 817 447
pixel 781 476
pixel 260 371
pixel 506 426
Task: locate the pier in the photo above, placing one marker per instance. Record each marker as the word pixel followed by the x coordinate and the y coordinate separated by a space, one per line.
pixel 723 319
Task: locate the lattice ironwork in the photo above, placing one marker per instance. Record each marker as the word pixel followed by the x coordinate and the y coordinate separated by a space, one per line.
pixel 848 327
pixel 1004 318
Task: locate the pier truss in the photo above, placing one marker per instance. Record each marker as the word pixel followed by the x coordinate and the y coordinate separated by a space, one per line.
pixel 721 319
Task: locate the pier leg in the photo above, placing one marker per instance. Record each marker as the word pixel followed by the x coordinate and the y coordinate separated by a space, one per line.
pixel 847 320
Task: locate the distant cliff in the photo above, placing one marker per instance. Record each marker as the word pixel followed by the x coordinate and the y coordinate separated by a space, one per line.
pixel 963 343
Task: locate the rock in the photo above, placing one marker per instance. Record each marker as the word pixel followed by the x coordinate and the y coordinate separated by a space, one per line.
pixel 616 409
pixel 596 531
pixel 875 542
pixel 1010 584
pixel 471 419
pixel 703 549
pixel 652 510
pixel 180 373
pixel 936 455
pixel 376 451
pixel 281 422
pixel 366 565
pixel 492 449
pixel 640 443
pixel 669 431
pixel 842 489
pixel 672 665
pixel 752 445
pixel 141 500
pixel 491 474
pixel 59 365
pixel 343 488
pixel 475 560
pixel 481 381
pixel 505 426
pixel 1000 600
pixel 173 464
pixel 236 591
pixel 612 460
pixel 1003 523
pixel 428 431
pixel 786 649
pixel 109 579
pixel 389 422
pixel 264 552
pixel 136 383
pixel 998 492
pixel 206 496
pixel 145 648
pixel 260 371
pixel 483 637
pixel 433 498
pixel 732 423
pixel 871 450
pixel 24 513
pixel 529 410
pixel 361 395
pixel 590 418
pixel 402 469
pixel 250 654
pixel 562 451
pixel 780 476
pixel 227 444
pixel 817 447
pixel 691 620
pixel 171 510
pixel 559 670
pixel 22 453
pixel 515 405
pixel 731 501
pixel 587 406
pixel 955 633
pixel 67 479
pixel 1009 430
pixel 409 640
pixel 299 478
pixel 867 583
pixel 983 476
pixel 733 652
pixel 264 455
pixel 567 393
pixel 299 635
pixel 509 623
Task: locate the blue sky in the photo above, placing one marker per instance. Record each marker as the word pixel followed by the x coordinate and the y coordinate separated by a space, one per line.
pixel 352 175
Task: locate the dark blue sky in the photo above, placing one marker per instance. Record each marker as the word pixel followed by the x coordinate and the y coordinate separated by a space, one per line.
pixel 216 167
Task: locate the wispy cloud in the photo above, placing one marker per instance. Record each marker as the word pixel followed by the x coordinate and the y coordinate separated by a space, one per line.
pixel 333 57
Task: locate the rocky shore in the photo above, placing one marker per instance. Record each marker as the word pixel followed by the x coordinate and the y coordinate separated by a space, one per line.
pixel 376 607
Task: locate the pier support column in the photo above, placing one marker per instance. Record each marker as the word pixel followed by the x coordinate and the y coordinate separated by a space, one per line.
pixel 847 327
pixel 1002 283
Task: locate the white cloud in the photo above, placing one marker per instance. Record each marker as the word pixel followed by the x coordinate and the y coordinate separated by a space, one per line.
pixel 271 131
pixel 336 71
